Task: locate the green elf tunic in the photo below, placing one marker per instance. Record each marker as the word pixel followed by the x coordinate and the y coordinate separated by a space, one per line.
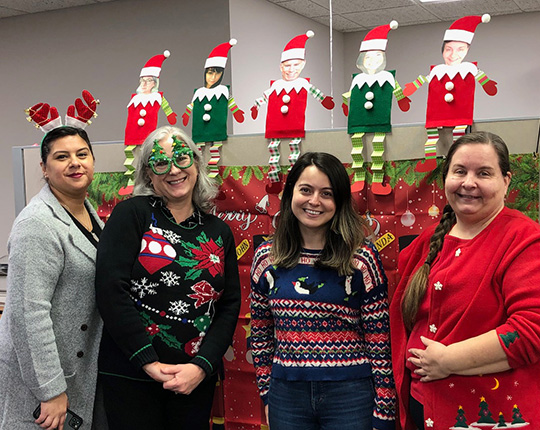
pixel 371 102
pixel 210 114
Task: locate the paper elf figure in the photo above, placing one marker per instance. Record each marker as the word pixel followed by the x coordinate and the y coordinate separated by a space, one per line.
pixel 368 105
pixel 209 106
pixel 46 117
pixel 143 110
pixel 451 87
pixel 287 100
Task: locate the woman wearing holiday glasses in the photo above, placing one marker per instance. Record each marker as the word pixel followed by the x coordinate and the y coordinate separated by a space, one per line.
pixel 168 291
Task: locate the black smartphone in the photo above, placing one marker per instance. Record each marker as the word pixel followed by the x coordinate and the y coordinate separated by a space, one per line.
pixel 73 421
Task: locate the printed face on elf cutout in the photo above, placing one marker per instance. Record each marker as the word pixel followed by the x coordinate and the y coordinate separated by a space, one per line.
pixel 146 84
pixel 454 52
pixel 371 62
pixel 291 69
pixel 212 76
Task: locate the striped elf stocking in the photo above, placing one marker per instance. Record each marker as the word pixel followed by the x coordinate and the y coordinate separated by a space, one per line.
pixel 273 162
pixel 215 156
pixel 430 150
pixel 358 160
pixel 294 146
pixel 458 131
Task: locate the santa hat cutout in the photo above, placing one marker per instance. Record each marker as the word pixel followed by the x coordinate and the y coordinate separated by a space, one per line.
pixel 296 48
pixel 218 56
pixel 377 38
pixel 463 29
pixel 153 65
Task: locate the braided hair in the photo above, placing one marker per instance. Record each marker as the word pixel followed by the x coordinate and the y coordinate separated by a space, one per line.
pixel 417 286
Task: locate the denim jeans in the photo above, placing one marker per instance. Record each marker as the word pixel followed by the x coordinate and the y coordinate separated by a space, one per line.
pixel 321 405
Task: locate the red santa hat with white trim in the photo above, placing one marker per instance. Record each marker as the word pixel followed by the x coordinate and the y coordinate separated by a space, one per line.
pixel 153 65
pixel 377 39
pixel 296 48
pixel 218 56
pixel 462 30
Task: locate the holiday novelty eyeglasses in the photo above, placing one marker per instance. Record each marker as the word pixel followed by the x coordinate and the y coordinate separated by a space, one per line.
pixel 160 162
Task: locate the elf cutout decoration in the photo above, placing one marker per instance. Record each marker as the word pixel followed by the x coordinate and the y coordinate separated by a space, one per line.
pixel 368 104
pixel 451 87
pixel 209 106
pixel 46 117
pixel 143 110
pixel 287 99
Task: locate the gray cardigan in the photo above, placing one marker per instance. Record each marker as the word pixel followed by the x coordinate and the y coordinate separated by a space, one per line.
pixel 50 330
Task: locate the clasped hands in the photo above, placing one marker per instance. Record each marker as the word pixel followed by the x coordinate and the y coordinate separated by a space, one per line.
pixel 430 362
pixel 180 378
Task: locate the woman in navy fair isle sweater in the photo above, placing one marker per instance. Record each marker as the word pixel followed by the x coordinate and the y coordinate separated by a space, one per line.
pixel 319 307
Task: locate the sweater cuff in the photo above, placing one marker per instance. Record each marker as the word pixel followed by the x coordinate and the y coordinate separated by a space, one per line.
pixel 145 355
pixel 383 424
pixel 204 364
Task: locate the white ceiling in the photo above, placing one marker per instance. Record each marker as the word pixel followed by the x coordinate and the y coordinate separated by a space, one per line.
pixel 348 15
pixel 359 15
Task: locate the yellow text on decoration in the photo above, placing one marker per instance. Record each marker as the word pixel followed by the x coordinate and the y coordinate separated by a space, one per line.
pixel 383 241
pixel 242 249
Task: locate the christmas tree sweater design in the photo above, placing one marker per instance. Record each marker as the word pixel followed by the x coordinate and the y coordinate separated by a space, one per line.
pixel 176 284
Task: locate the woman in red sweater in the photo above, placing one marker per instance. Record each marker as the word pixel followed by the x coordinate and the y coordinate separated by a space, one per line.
pixel 465 319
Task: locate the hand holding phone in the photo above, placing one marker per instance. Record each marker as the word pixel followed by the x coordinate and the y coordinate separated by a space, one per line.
pixel 73 421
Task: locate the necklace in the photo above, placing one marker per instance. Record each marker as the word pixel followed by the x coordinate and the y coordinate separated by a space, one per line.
pixel 83 217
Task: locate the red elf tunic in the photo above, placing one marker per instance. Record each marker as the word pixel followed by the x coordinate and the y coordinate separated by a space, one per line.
pixel 143 110
pixel 286 112
pixel 451 95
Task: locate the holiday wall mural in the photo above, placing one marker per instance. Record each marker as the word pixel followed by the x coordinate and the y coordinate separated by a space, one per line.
pixel 250 206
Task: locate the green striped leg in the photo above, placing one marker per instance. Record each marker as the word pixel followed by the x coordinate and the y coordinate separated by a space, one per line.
pixel 458 131
pixel 129 163
pixel 377 162
pixel 358 160
pixel 273 162
pixel 294 146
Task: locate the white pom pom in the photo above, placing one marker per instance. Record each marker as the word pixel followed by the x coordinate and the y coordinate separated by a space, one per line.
pixel 310 34
pixel 369 95
pixel 233 42
pixel 141 122
pixel 368 105
pixel 142 112
pixel 486 18
pixel 448 98
pixel 393 24
pixel 206 117
pixel 167 53
pixel 286 98
pixel 449 86
pixel 284 109
pixel 207 107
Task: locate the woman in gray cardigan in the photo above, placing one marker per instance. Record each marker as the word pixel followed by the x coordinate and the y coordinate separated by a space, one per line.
pixel 50 330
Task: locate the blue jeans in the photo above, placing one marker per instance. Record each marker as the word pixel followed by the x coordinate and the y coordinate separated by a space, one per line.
pixel 321 405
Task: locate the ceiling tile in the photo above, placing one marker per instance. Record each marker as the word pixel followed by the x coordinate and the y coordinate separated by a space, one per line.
pixel 528 5
pixel 454 10
pixel 403 15
pixel 339 23
pixel 347 6
pixel 42 5
pixel 306 8
pixel 7 12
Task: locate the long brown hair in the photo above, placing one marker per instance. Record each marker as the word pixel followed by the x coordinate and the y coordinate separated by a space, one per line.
pixel 416 288
pixel 346 232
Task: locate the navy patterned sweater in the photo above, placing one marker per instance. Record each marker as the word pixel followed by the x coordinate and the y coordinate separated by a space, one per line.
pixel 309 324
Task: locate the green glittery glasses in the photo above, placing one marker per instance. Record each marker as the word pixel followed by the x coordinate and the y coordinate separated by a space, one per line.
pixel 160 163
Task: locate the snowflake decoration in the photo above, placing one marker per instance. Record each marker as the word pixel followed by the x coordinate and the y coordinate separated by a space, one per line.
pixel 170 278
pixel 509 397
pixel 429 422
pixel 438 286
pixel 179 307
pixel 172 237
pixel 458 252
pixel 473 391
pixel 141 288
pixel 451 385
pixel 516 383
